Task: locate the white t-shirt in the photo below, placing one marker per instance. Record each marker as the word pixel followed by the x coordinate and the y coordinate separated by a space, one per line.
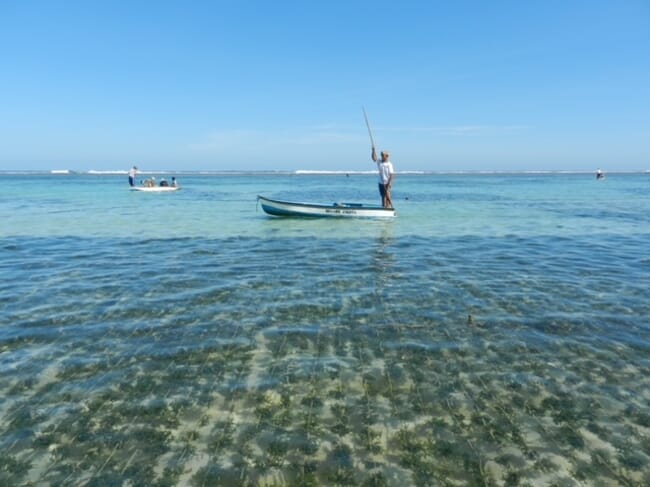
pixel 385 170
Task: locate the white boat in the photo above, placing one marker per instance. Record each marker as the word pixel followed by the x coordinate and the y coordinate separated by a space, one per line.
pixel 358 210
pixel 155 189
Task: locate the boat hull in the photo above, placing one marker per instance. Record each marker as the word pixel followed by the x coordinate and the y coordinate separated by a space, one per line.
pixel 156 189
pixel 337 210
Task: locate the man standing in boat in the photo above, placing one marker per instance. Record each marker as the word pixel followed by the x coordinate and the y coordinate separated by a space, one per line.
pixel 386 175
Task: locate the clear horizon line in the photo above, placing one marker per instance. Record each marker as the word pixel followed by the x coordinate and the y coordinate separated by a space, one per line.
pixel 116 172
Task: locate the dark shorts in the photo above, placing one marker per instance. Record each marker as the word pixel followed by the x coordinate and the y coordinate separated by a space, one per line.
pixel 383 190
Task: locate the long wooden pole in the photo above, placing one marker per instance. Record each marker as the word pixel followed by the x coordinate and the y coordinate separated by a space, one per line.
pixel 372 140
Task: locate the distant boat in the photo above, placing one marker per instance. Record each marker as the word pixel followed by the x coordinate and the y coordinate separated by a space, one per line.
pixel 288 208
pixel 156 189
pixel 151 186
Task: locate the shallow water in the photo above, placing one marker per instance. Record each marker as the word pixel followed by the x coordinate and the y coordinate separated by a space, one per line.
pixel 494 333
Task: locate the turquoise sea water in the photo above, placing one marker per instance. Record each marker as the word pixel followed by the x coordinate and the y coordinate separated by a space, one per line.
pixel 496 332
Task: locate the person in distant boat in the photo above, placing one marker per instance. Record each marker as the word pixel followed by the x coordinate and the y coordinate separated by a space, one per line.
pixel 174 183
pixel 163 182
pixel 386 175
pixel 132 173
pixel 150 183
pixel 599 174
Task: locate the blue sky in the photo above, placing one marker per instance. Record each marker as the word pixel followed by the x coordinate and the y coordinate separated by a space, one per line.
pixel 280 85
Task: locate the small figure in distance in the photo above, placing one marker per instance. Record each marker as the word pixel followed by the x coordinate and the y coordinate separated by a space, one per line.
pixel 174 183
pixel 600 174
pixel 386 175
pixel 132 173
pixel 163 182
